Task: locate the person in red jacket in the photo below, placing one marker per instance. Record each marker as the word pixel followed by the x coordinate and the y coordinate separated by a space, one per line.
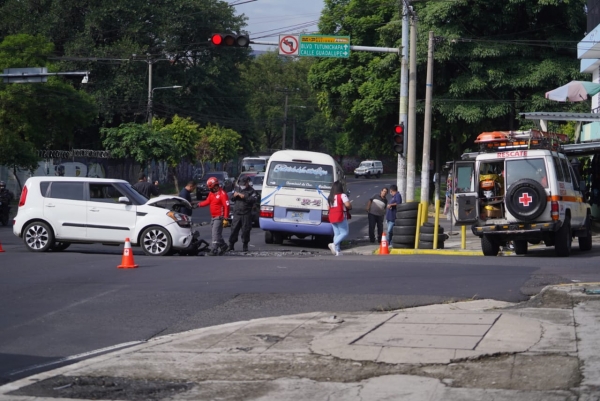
pixel 218 201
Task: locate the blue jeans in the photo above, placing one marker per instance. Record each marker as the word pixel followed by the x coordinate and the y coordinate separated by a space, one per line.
pixel 390 230
pixel 340 231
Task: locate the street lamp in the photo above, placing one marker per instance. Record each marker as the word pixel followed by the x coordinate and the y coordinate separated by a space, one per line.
pixel 151 97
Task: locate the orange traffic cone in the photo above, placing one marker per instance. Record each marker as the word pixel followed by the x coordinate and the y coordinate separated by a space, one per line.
pixel 383 248
pixel 1 250
pixel 127 260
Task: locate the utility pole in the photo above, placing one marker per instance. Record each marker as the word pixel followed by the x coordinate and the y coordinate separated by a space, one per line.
pixel 427 125
pixel 401 175
pixel 150 62
pixel 412 113
pixel 284 120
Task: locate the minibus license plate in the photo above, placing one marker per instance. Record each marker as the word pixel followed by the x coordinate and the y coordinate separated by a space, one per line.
pixel 297 215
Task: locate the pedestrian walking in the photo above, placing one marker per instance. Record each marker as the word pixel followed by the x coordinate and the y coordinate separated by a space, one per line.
pixel 376 208
pixel 186 193
pixel 339 205
pixel 245 197
pixel 390 214
pixel 218 201
pixel 145 188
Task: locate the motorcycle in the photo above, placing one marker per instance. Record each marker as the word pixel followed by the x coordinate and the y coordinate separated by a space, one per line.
pixel 4 211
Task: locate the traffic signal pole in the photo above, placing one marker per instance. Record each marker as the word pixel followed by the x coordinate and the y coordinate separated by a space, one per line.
pixel 412 114
pixel 427 125
pixel 403 117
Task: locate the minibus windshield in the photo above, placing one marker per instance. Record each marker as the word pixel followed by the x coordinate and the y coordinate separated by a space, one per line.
pixel 300 175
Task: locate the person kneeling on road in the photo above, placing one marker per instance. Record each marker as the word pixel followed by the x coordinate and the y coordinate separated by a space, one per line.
pixel 245 198
pixel 219 210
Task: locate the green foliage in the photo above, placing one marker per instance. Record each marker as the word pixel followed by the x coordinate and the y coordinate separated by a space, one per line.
pixel 185 134
pixel 138 141
pixel 217 144
pixel 38 115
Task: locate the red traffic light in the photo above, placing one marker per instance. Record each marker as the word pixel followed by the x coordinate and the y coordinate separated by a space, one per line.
pixel 398 138
pixel 229 40
pixel 399 129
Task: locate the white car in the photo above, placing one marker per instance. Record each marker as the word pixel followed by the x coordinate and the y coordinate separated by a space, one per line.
pixel 57 211
pixel 368 169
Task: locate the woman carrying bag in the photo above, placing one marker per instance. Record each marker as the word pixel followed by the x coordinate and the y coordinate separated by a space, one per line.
pixel 339 206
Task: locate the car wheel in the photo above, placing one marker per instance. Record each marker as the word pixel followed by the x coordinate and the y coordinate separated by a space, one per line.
pixel 60 246
pixel 268 237
pixel 585 243
pixel 378 175
pixel 526 199
pixel 156 241
pixel 38 237
pixel 489 246
pixel 563 239
pixel 355 176
pixel 368 175
pixel 520 247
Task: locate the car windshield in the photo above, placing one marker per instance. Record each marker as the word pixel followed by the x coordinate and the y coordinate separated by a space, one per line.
pixel 258 179
pixel 365 164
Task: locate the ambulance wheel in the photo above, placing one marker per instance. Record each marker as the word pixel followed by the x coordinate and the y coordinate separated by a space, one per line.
pixel 489 246
pixel 268 237
pixel 585 243
pixel 520 247
pixel 526 199
pixel 563 239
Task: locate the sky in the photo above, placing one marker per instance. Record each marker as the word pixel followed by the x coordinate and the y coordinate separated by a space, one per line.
pixel 267 19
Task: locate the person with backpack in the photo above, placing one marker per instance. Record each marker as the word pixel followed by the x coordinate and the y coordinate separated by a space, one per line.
pixel 339 204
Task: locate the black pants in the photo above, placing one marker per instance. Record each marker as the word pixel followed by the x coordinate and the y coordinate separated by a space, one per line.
pixel 243 222
pixel 375 220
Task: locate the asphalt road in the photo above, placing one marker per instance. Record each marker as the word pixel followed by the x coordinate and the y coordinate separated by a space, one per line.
pixel 56 305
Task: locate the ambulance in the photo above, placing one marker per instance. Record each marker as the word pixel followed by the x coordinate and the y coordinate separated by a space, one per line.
pixel 520 187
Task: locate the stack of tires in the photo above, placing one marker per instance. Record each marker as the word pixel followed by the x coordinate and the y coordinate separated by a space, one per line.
pixel 405 227
pixel 426 236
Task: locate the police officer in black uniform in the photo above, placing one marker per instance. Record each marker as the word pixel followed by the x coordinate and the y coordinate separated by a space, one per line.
pixel 244 198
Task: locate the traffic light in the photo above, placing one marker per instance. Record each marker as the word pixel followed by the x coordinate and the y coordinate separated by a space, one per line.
pixel 399 138
pixel 229 40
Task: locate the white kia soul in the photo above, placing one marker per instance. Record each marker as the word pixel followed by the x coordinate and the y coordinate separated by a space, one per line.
pixel 55 212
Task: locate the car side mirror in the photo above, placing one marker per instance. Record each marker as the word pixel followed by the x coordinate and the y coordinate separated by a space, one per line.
pixel 125 200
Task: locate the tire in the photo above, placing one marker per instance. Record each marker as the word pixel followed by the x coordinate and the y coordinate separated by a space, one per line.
pixel 368 175
pixel 405 222
pixel 59 246
pixel 403 239
pixel 585 243
pixel 397 245
pixel 355 176
pixel 429 245
pixel 156 241
pixel 268 237
pixel 563 239
pixel 403 207
pixel 489 246
pixel 429 237
pixel 377 175
pixel 520 247
pixel 407 214
pixel 277 238
pixel 38 237
pixel 526 199
pixel 404 230
pixel 428 228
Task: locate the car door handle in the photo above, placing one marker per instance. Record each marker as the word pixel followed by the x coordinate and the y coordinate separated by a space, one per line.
pixel 94 210
pixel 50 206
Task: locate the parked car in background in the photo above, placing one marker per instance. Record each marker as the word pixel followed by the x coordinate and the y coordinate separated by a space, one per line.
pixel 225 182
pixel 368 169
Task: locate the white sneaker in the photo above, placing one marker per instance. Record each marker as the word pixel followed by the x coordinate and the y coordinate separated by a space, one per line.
pixel 338 254
pixel 331 248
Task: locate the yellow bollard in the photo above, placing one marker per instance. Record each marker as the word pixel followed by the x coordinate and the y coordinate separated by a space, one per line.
pixel 425 215
pixel 463 237
pixel 418 225
pixel 436 221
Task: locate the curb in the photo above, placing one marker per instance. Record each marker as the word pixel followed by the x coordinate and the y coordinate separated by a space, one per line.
pixel 432 252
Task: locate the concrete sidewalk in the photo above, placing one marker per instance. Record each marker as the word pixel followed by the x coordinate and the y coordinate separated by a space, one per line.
pixel 544 349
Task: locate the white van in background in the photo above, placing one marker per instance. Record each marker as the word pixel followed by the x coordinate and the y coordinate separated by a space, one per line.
pixel 369 168
pixel 294 195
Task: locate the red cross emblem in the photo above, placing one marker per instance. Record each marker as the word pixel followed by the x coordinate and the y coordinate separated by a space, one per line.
pixel 525 199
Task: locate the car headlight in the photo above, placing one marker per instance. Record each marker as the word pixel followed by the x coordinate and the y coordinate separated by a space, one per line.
pixel 182 220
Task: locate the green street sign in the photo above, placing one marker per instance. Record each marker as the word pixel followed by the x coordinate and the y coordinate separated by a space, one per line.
pixel 324 46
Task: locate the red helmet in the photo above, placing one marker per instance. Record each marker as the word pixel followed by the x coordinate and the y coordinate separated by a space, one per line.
pixel 212 182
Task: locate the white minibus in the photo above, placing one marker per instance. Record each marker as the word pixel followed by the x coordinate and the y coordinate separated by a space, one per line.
pixel 294 195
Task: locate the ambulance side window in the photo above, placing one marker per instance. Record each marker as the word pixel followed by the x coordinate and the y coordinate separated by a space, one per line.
pixel 464 179
pixel 565 165
pixel 558 168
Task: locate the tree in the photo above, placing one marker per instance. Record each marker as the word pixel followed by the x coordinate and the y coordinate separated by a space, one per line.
pixel 185 134
pixel 138 141
pixel 217 145
pixel 37 116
